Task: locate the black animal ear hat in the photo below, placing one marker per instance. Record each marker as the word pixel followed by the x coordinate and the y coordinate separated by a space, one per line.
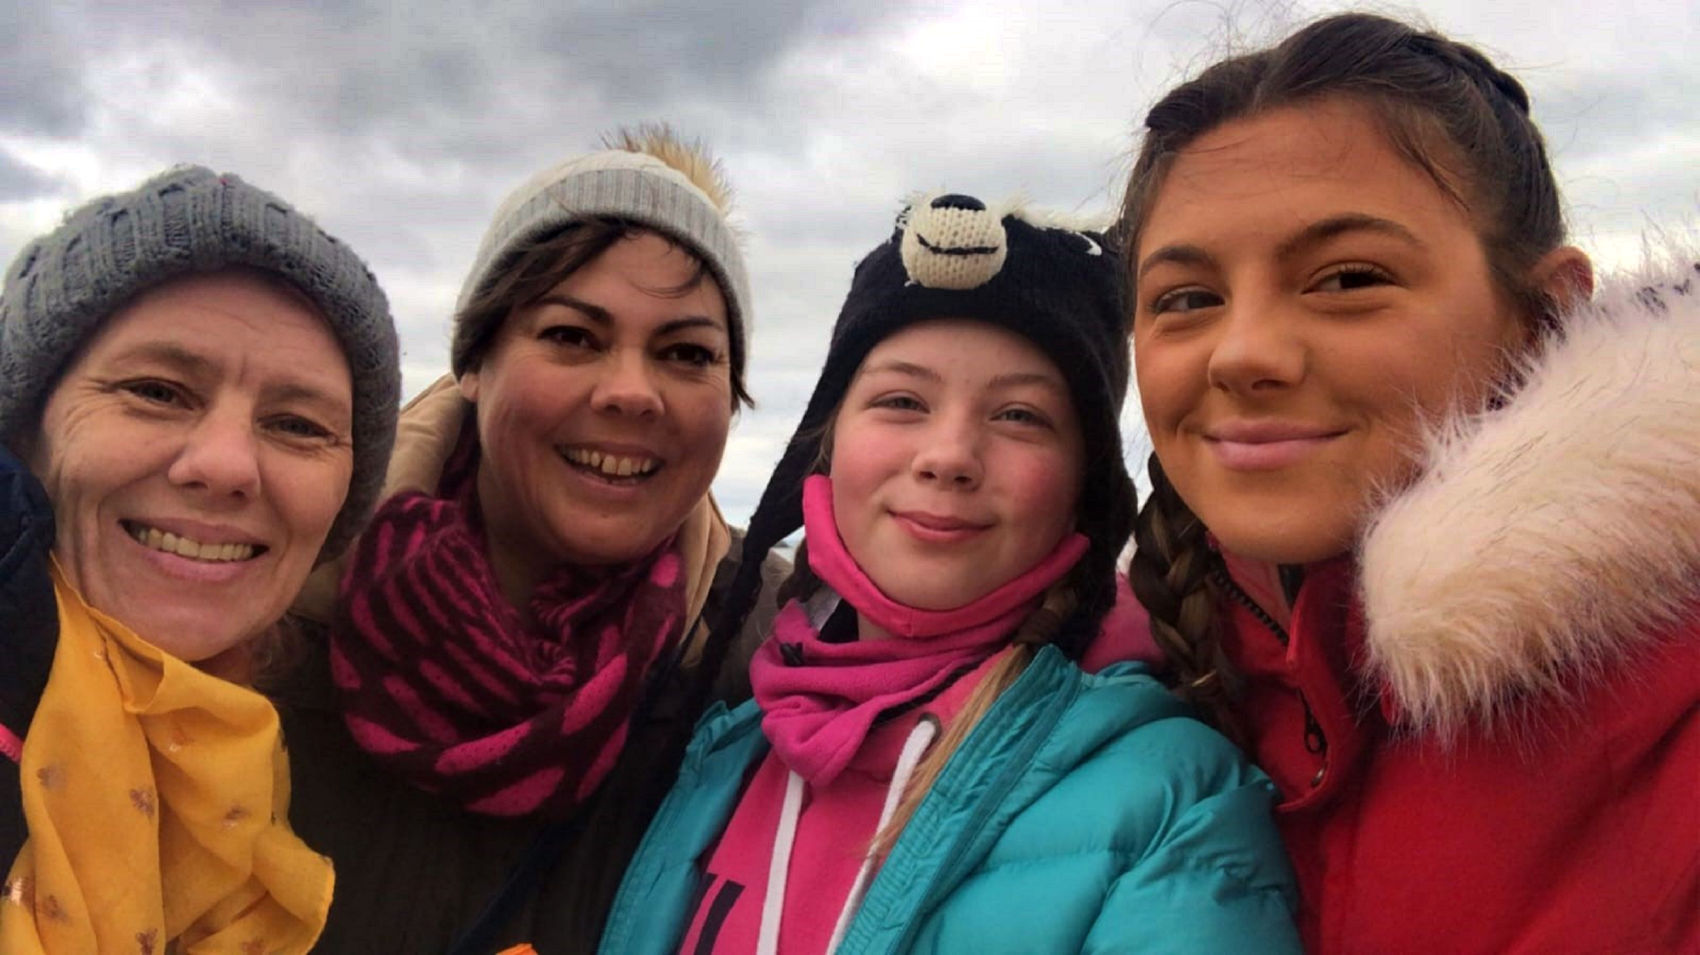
pixel 952 257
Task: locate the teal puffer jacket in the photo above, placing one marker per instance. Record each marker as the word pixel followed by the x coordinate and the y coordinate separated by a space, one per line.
pixel 1085 813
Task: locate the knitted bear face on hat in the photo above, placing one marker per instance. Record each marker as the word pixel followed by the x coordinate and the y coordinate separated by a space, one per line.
pixel 953 256
pixel 954 242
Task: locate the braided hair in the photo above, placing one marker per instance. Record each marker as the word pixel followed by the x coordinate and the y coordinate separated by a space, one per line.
pixel 1447 110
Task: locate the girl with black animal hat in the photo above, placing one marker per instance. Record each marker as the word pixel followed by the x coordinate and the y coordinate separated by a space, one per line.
pixel 924 767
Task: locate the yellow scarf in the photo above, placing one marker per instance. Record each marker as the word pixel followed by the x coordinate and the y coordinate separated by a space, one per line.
pixel 157 798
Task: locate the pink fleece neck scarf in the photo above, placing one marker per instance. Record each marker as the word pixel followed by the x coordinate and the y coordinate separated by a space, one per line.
pixel 818 708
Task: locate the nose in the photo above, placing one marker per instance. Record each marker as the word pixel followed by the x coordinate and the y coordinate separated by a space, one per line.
pixel 1258 350
pixel 627 385
pixel 219 455
pixel 950 456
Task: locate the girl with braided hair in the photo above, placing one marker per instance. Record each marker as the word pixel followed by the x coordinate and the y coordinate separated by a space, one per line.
pixel 1425 529
pixel 924 767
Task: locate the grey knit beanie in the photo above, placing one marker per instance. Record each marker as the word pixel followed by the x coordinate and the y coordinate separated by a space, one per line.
pixel 64 285
pixel 651 179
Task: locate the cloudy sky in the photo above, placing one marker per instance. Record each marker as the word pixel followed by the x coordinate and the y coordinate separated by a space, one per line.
pixel 401 125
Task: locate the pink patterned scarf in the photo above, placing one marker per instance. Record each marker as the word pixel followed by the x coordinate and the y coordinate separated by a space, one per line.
pixel 446 683
pixel 820 698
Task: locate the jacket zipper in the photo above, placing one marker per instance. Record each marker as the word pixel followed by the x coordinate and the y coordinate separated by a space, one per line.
pixel 945 873
pixel 1316 742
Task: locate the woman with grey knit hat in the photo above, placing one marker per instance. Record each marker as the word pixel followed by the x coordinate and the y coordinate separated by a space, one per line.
pixel 501 695
pixel 198 393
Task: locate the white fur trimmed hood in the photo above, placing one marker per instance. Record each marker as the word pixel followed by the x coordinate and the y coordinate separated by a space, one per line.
pixel 1556 534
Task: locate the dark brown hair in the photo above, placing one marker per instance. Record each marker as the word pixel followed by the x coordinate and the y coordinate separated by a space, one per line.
pixel 1447 110
pixel 537 265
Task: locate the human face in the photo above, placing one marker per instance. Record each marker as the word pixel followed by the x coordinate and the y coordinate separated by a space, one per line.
pixel 196 454
pixel 1306 301
pixel 603 410
pixel 956 462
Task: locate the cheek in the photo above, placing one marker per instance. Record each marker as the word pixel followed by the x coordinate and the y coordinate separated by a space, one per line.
pixel 513 411
pixel 1167 382
pixel 861 465
pixel 853 488
pixel 319 491
pixel 1044 492
pixel 1406 389
pixel 78 466
pixel 704 423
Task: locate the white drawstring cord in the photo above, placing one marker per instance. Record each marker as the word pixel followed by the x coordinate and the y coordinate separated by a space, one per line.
pixel 779 866
pixel 913 749
pixel 772 904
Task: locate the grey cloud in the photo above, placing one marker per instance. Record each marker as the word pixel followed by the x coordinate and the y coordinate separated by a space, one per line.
pixel 445 77
pixel 19 180
pixel 40 81
pixel 1593 112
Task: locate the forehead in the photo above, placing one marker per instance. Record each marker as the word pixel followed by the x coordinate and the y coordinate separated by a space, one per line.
pixel 1294 164
pixel 644 276
pixel 227 320
pixel 965 347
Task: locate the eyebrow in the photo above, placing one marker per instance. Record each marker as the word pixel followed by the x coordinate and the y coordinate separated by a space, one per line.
pixel 189 364
pixel 1010 379
pixel 1314 234
pixel 601 316
pixel 1322 230
pixel 328 404
pixel 903 368
pixel 170 354
pixel 1179 255
pixel 1016 379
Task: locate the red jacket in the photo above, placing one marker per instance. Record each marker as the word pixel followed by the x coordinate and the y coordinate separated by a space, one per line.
pixel 1486 723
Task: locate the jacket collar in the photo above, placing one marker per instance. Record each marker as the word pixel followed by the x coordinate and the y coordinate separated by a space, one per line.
pixel 1554 535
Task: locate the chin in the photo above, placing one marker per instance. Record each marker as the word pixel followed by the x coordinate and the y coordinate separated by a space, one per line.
pixel 194 645
pixel 1282 548
pixel 940 595
pixel 604 553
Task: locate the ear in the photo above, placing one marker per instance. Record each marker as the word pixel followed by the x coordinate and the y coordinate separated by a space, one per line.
pixel 1564 276
pixel 468 385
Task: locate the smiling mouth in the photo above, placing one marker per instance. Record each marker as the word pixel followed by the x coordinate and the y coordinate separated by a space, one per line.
pixel 933 523
pixel 930 527
pixel 1266 455
pixel 155 539
pixel 613 467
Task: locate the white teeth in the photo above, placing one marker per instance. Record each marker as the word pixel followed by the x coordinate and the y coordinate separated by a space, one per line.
pixel 612 465
pixel 184 547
